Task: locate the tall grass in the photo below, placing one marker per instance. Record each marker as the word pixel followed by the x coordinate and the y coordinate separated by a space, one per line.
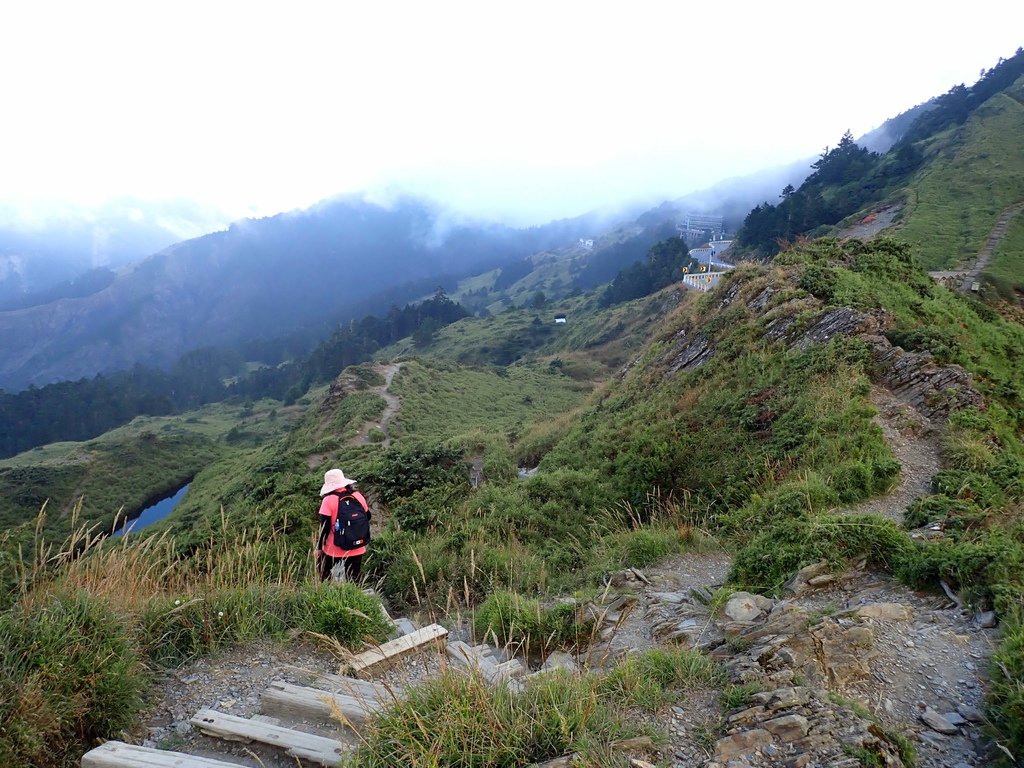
pixel 460 720
pixel 92 616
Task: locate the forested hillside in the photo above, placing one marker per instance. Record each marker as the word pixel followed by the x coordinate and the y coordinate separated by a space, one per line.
pixel 954 170
pixel 305 270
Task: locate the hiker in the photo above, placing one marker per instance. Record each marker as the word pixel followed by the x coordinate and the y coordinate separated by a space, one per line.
pixel 344 526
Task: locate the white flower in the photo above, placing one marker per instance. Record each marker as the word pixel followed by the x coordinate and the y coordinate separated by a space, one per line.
pixel 177 602
pixel 220 614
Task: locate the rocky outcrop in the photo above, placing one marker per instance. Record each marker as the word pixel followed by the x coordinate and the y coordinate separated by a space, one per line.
pixel 690 353
pixel 934 390
pixel 841 321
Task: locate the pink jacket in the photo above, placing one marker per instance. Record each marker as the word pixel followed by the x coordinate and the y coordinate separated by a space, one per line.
pixel 329 509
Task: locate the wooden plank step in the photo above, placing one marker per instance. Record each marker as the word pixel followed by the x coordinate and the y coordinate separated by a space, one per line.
pixel 301 703
pixel 392 649
pixel 306 746
pixel 117 754
pixel 512 668
pixel 356 688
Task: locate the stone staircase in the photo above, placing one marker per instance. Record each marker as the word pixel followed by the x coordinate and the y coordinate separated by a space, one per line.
pixel 290 712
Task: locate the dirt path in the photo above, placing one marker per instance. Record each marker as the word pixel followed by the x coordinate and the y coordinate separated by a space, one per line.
pixel 871 224
pixel 914 445
pixel 391 410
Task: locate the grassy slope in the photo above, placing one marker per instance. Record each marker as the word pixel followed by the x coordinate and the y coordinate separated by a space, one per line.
pixel 766 441
pixel 757 446
pixel 978 171
pixel 1006 270
pixel 606 336
pixel 276 485
pixel 129 466
pixel 439 403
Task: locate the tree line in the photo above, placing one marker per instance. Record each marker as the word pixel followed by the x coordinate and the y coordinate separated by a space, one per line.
pixel 845 179
pixel 83 409
pixel 664 265
pixel 848 177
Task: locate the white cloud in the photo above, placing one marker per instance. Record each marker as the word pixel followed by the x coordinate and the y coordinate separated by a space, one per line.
pixel 534 108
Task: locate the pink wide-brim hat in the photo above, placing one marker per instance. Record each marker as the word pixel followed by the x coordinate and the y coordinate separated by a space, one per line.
pixel 333 480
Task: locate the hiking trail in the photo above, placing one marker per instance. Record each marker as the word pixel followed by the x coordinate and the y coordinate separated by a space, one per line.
pixel 915 446
pixel 391 410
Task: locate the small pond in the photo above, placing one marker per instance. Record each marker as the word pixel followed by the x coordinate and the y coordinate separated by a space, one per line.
pixel 152 513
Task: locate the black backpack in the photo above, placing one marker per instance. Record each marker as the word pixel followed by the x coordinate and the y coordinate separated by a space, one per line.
pixel 352 525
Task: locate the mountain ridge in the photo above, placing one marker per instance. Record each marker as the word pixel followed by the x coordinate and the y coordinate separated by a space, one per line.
pixel 258 278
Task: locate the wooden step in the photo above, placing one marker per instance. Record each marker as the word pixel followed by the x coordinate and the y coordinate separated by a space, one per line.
pixel 306 746
pixel 392 649
pixel 301 703
pixel 358 689
pixel 117 754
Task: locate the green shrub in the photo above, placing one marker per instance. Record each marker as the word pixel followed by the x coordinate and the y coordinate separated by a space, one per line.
pixel 69 676
pixel 653 678
pixel 987 567
pixel 421 509
pixel 640 548
pixel 818 280
pixel 794 499
pixel 498 465
pixel 343 612
pixel 788 545
pixel 943 344
pixel 401 471
pixel 969 452
pixel 176 630
pixel 506 618
pixel 939 507
pixel 972 486
pixel 1006 692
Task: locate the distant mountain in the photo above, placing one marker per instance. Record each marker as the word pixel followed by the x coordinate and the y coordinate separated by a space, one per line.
pixel 44 248
pixel 259 278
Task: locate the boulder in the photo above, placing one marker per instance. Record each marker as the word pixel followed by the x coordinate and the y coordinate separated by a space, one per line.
pixel 884 612
pixel 788 727
pixel 985 619
pixel 744 606
pixel 739 744
pixel 559 660
pixel 800 583
pixel 969 713
pixel 937 722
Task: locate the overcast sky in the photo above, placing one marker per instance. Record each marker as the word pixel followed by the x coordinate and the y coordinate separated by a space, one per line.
pixel 524 110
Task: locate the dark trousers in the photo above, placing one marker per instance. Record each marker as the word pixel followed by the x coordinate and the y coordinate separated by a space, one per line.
pixel 353 565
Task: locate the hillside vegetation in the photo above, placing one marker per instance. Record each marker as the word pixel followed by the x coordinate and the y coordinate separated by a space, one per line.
pixel 951 173
pixel 741 422
pixel 526 462
pixel 977 171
